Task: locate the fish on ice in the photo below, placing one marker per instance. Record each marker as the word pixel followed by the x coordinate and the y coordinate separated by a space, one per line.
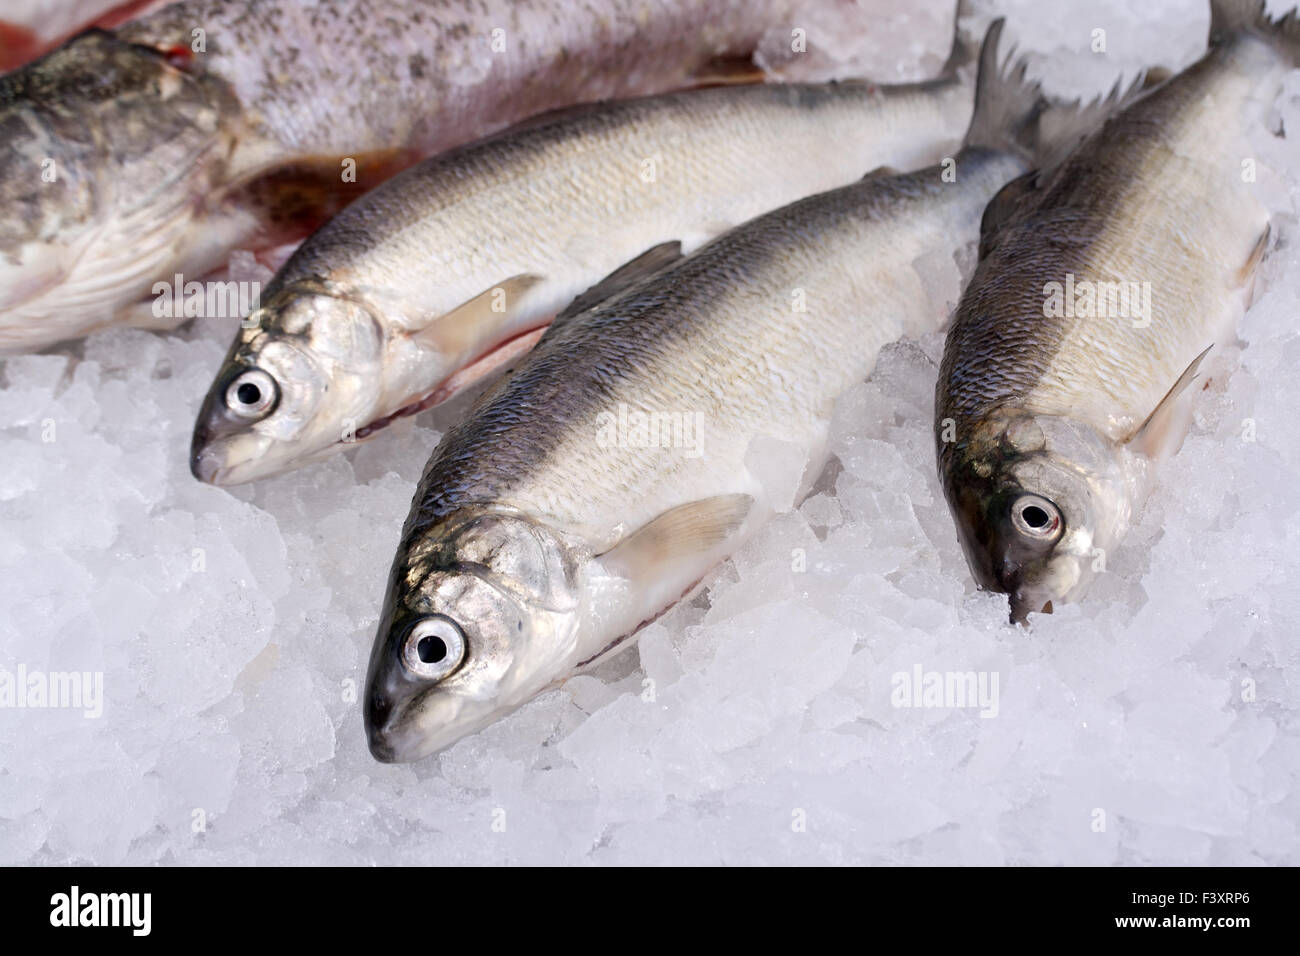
pixel 453 268
pixel 539 541
pixel 1104 287
pixel 212 125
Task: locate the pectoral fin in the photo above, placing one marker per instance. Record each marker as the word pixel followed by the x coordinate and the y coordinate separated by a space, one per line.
pixel 686 535
pixel 471 327
pixel 1161 435
pixel 1246 274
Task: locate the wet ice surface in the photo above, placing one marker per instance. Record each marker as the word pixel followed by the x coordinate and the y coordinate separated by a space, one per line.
pixel 754 724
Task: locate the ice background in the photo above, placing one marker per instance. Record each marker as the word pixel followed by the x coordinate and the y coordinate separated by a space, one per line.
pixel 232 690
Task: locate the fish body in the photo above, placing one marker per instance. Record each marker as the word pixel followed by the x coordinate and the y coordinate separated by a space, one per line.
pixel 545 532
pixel 451 268
pixel 128 157
pixel 1076 351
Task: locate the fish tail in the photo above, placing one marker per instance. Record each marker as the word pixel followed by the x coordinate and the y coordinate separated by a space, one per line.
pixel 963 51
pixel 1063 125
pixel 1007 105
pixel 1229 18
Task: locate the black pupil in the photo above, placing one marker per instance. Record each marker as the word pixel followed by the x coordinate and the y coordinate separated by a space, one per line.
pixel 248 393
pixel 1035 516
pixel 431 649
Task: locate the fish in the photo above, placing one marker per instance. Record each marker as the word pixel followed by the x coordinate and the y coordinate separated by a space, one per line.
pixel 439 277
pixel 1073 363
pixel 548 526
pixel 133 156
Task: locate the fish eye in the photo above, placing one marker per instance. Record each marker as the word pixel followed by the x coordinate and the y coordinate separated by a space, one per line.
pixel 434 647
pixel 1036 518
pixel 251 394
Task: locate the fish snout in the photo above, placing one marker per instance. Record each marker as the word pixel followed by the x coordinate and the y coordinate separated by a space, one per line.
pixel 388 733
pixel 207 451
pixel 204 464
pixel 376 715
pixel 1025 603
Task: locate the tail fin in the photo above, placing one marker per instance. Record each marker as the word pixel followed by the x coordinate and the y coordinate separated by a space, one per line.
pixel 963 52
pixel 1063 126
pixel 1006 104
pixel 1012 114
pixel 1231 17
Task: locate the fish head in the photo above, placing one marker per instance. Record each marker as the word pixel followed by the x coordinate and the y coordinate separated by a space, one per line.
pixel 1038 504
pixel 303 375
pixel 107 151
pixel 481 615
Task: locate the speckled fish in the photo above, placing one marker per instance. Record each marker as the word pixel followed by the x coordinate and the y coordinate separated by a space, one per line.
pixel 1076 352
pixel 210 125
pixel 596 484
pixel 452 268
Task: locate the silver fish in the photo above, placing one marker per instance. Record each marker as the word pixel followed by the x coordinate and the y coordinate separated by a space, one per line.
pixel 453 268
pixel 1103 284
pixel 128 158
pixel 544 533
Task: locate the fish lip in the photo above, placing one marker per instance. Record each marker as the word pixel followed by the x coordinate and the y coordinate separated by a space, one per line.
pixel 377 716
pixel 389 739
pixel 1023 605
pixel 381 748
pixel 204 467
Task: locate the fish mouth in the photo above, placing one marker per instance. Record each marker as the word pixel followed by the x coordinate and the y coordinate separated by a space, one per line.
pixel 395 728
pixel 204 467
pixel 1022 605
pixel 379 737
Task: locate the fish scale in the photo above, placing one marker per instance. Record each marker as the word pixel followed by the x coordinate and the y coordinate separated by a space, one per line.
pixel 395 68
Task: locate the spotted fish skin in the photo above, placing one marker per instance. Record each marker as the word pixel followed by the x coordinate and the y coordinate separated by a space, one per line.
pixel 429 74
pixel 1065 408
pixel 128 157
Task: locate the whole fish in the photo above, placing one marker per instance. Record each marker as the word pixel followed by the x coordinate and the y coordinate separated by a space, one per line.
pixel 128 158
pixel 1067 373
pixel 452 268
pixel 553 522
